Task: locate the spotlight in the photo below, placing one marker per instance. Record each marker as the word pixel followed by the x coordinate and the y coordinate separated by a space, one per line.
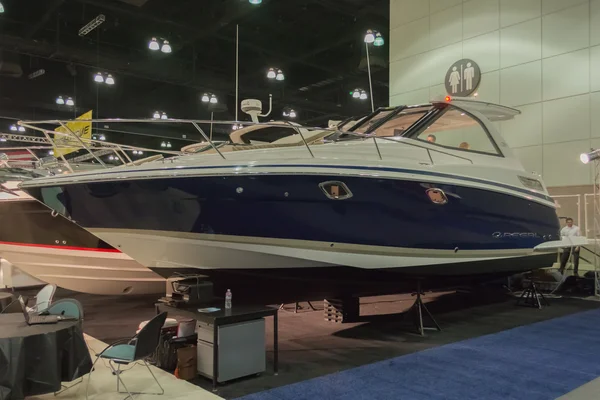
pixel 163 144
pixel 363 95
pixel 166 47
pixel 2 8
pixel 164 116
pixel 153 45
pixel 168 145
pixel 140 153
pixel 60 100
pixel 591 156
pixel 70 102
pixel 378 40
pixel 213 99
pixel 280 76
pixel 356 93
pixel 255 2
pixel 110 80
pixel 292 114
pixel 51 152
pixel 102 137
pixel 271 74
pixel 13 128
pixel 369 37
pixel 99 78
pixel 156 115
pixel 205 98
pixel 285 113
pixel 111 158
pixel 21 129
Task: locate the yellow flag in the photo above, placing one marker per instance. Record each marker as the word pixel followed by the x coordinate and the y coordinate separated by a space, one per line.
pixel 81 129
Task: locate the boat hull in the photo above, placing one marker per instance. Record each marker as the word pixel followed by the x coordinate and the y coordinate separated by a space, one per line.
pixel 276 224
pixel 55 250
pixel 84 270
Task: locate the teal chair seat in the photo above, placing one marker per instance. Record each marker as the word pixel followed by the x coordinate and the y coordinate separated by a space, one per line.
pixel 125 352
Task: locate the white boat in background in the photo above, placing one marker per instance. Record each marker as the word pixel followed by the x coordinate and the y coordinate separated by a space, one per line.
pixel 53 249
pixel 429 191
pixel 12 277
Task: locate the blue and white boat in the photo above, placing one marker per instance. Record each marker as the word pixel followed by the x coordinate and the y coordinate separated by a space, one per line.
pixel 429 191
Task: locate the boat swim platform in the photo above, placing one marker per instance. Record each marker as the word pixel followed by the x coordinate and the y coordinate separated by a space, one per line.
pixel 103 385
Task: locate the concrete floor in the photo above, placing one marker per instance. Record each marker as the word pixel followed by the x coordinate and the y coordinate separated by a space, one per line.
pixel 312 347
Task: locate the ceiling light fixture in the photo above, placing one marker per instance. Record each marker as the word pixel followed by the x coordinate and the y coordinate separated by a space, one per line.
pixel 255 2
pixel 156 115
pixel 292 113
pixel 13 128
pixel 166 47
pixel 213 99
pixel 98 78
pixel 110 80
pixel 1 8
pixel 363 95
pixel 70 102
pixel 280 76
pixel 51 152
pixel 21 129
pixel 163 144
pixel 60 100
pixel 378 42
pixel 370 36
pixel 164 116
pixel 168 145
pixel 271 74
pixel 356 93
pixel 102 137
pixel 205 98
pixel 153 45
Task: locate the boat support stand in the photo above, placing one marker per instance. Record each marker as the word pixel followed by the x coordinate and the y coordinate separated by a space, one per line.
pixel 531 297
pixel 417 310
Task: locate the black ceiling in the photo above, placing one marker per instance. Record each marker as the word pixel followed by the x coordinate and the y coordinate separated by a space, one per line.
pixel 318 44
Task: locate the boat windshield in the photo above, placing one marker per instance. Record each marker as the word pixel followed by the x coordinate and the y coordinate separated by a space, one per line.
pixel 398 124
pixel 447 127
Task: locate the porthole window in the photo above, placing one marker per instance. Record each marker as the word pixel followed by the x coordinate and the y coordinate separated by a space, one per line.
pixel 335 190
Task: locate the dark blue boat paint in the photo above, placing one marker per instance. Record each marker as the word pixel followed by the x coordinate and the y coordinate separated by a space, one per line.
pixel 381 212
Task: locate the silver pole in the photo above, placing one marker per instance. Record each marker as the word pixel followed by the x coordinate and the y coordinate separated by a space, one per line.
pixel 209 141
pixel 370 82
pixel 237 71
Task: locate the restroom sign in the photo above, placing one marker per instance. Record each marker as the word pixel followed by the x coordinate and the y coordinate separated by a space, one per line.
pixel 463 78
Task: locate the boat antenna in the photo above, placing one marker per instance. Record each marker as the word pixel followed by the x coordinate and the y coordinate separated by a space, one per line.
pixel 370 80
pixel 237 69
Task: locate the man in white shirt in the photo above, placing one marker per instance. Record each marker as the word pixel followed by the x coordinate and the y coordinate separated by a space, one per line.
pixel 570 230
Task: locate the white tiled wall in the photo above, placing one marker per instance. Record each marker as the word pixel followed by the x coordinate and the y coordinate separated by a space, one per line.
pixel 540 56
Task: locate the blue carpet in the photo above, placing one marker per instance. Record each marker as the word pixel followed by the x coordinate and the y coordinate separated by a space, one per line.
pixel 539 361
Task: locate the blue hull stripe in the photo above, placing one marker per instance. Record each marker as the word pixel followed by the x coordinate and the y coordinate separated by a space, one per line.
pixel 351 167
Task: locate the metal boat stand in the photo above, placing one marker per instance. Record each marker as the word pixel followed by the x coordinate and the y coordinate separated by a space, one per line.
pixel 531 297
pixel 297 307
pixel 417 310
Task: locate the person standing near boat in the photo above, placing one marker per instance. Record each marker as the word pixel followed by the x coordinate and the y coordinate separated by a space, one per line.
pixel 570 230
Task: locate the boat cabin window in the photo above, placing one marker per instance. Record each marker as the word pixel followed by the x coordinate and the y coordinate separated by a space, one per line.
pixel 457 129
pixel 268 134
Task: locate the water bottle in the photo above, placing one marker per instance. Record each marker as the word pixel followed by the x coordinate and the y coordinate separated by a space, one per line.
pixel 228 300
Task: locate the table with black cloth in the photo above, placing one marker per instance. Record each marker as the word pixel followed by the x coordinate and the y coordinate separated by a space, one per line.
pixel 35 359
pixel 6 299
